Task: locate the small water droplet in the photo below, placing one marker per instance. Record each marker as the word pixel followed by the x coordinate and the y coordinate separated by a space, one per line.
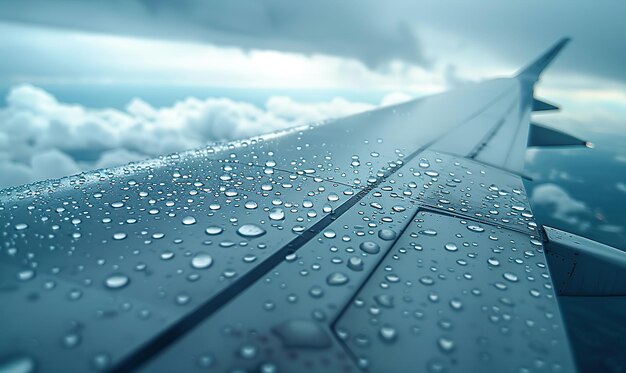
pixel 510 277
pixel 388 334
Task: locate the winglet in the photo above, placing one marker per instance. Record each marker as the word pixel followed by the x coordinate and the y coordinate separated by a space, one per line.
pixel 532 71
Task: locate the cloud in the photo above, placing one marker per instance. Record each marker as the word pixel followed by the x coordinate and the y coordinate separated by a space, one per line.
pixel 41 137
pixel 560 204
pixel 371 34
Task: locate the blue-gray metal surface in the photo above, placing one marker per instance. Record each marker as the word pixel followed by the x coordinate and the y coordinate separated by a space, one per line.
pixel 255 254
pixel 583 267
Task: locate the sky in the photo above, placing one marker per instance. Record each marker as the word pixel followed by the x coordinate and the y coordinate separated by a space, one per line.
pixel 89 84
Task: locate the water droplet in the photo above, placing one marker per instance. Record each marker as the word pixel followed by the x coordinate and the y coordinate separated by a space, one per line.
pixel 201 261
pixel 250 230
pixel 277 213
pixel 445 344
pixel 213 230
pixel 18 364
pixel 456 304
pixel 251 205
pixel 493 261
pixel 386 234
pixel 116 281
pixel 369 247
pixel 388 334
pixel 302 334
pixel 475 228
pixel 189 220
pixel 337 278
pixel 71 340
pixel 384 300
pixel 25 275
pixel 119 236
pixel 355 263
pixel 510 277
pixel 21 226
pixel 451 247
pixel 316 292
pixel 248 352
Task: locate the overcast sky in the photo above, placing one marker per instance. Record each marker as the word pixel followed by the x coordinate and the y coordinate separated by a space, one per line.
pixel 386 51
pixel 399 48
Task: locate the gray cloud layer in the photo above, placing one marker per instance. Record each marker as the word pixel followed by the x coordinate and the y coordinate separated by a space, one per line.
pixel 374 32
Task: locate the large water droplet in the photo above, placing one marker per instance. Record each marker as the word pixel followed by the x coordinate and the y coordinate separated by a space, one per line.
pixel 116 281
pixel 445 344
pixel 250 230
pixel 355 263
pixel 201 261
pixel 213 230
pixel 119 236
pixel 25 275
pixel 189 220
pixel 475 228
pixel 277 213
pixel 18 364
pixel 251 205
pixel 386 234
pixel 337 278
pixel 369 247
pixel 451 247
pixel 21 226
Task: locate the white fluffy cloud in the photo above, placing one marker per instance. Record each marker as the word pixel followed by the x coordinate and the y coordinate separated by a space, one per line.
pixel 41 137
pixel 561 204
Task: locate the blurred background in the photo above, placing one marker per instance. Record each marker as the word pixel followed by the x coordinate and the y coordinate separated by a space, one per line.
pixel 92 84
pixel 87 84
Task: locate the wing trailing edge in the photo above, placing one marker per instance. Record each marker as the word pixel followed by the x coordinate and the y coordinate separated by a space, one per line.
pixel 540 105
pixel 540 136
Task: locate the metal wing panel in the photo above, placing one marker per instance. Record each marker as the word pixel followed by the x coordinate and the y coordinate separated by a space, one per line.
pixel 283 322
pixel 460 300
pixel 144 249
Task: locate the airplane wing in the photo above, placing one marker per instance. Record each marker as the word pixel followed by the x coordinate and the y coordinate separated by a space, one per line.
pixel 399 239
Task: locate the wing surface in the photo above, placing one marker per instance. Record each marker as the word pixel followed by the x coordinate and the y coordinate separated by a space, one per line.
pixel 399 236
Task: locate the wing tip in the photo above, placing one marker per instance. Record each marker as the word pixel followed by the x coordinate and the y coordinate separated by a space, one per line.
pixel 535 69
